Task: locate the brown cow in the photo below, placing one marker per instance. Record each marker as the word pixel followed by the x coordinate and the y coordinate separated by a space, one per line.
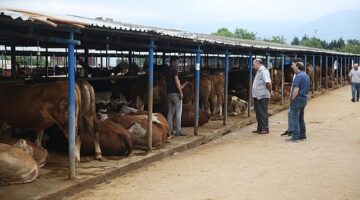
pixel 188 90
pixel 115 140
pixel 46 104
pixel 188 116
pixel 137 126
pixel 38 153
pixel 218 81
pixel 17 165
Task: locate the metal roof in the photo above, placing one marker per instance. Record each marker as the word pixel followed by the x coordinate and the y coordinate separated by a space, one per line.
pixel 83 22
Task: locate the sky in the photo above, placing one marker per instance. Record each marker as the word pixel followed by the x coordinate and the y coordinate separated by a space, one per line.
pixel 204 16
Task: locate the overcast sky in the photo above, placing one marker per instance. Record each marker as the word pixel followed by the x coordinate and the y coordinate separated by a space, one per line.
pixel 187 14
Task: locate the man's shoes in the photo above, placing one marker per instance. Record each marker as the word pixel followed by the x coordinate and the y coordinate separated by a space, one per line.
pixel 264 132
pixel 181 134
pixel 353 100
pixel 292 140
pixel 286 133
pixel 256 131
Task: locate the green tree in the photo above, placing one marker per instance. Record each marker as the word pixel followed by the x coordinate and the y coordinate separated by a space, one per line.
pixel 223 32
pixel 244 34
pixel 277 39
pixel 295 41
pixel 352 46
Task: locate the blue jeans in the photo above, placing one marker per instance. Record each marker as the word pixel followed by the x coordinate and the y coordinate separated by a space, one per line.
pixel 296 113
pixel 290 128
pixel 174 108
pixel 355 88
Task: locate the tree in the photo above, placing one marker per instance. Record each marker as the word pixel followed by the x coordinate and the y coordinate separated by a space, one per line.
pixel 277 39
pixel 223 32
pixel 244 34
pixel 295 41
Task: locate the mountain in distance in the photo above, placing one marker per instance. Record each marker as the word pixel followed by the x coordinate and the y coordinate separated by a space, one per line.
pixel 345 24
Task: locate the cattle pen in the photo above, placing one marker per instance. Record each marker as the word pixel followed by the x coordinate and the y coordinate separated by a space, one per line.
pixel 43 46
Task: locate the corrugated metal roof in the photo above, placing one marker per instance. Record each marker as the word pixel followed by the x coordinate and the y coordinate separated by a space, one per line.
pixel 196 37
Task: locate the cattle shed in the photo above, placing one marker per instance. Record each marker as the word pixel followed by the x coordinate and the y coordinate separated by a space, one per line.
pixel 72 37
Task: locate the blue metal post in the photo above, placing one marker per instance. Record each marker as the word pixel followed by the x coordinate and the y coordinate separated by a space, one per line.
pixel 305 61
pixel 197 89
pixel 250 63
pixel 341 69
pixel 53 64
pixel 2 63
pixel 320 71
pixel 326 71
pixel 314 66
pixel 282 78
pixel 226 85
pixel 150 94
pixel 71 79
pixel 31 59
pixel 267 60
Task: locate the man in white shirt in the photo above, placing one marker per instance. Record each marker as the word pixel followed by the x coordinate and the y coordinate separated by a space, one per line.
pixel 354 76
pixel 261 92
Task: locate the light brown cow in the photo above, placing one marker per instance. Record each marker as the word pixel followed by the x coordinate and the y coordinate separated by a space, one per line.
pixel 17 165
pixel 218 82
pixel 38 153
pixel 236 106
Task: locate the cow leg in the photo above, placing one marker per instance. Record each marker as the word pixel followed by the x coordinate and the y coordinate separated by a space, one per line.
pixel 39 135
pixel 98 153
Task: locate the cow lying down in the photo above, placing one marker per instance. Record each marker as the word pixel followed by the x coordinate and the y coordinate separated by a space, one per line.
pixel 37 152
pixel 16 164
pixel 115 140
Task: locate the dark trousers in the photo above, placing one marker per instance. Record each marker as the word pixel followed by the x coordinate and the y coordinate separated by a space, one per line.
pixel 261 110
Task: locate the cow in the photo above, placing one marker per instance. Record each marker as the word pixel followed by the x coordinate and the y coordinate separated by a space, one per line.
pixel 188 91
pixel 41 105
pixel 136 124
pixel 115 140
pixel 310 73
pixel 16 164
pixel 37 152
pixel 236 106
pixel 217 100
pixel 188 116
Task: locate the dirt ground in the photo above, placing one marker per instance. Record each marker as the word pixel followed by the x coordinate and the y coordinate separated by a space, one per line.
pixel 244 165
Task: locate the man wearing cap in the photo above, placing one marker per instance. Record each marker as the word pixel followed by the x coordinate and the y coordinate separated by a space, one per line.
pixel 174 95
pixel 261 92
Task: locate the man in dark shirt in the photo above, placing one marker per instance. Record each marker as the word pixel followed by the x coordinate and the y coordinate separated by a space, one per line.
pixel 175 96
pixel 298 100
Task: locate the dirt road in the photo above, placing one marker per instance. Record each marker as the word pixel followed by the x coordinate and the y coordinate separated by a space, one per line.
pixel 243 165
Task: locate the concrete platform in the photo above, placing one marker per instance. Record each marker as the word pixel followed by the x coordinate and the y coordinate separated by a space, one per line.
pixel 53 182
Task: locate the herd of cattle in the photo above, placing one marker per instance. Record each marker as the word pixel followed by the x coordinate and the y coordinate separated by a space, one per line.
pixel 116 126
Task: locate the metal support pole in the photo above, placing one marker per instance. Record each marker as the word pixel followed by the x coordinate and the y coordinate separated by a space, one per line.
pixel 282 78
pixel 341 70
pixel 13 61
pixel 46 62
pixel 326 71
pixel 71 79
pixel 250 63
pixel 2 64
pixel 320 72
pixel 54 64
pixel 163 58
pixel 305 61
pixel 197 89
pixel 150 94
pixel 226 85
pixel 267 59
pixel 86 59
pixel 314 66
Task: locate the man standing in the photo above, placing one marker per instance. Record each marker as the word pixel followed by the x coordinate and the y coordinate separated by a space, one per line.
pixel 175 96
pixel 298 100
pixel 261 92
pixel 289 130
pixel 354 76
